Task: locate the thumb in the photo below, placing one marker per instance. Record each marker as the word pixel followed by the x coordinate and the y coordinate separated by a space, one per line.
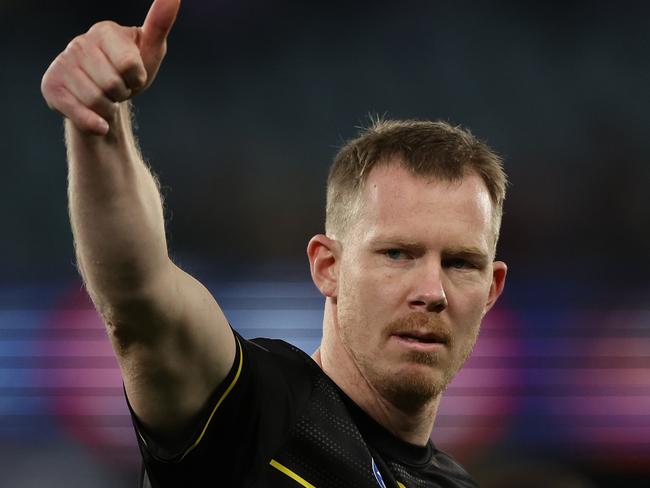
pixel 155 29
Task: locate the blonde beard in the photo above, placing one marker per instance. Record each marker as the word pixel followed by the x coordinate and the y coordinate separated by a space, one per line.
pixel 411 391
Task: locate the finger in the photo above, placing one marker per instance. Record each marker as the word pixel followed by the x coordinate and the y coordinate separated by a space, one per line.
pixel 158 23
pixel 102 72
pixel 77 82
pixel 124 55
pixel 82 117
pixel 59 97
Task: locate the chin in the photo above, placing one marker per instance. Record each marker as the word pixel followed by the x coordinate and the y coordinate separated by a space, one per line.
pixel 414 387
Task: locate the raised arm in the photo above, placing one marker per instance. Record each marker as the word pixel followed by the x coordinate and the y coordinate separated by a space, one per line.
pixel 171 339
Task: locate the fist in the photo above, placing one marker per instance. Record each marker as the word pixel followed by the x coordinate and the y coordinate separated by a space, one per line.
pixel 107 65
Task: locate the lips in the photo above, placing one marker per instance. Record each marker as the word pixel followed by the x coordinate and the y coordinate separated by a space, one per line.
pixel 421 331
pixel 412 338
pixel 422 336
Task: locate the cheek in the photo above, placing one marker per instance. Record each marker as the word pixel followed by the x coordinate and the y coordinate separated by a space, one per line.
pixel 361 281
pixel 467 304
pixel 363 302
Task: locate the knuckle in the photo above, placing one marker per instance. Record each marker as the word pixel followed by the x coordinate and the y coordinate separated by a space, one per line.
pixel 140 78
pixel 76 46
pixel 103 27
pixel 46 83
pixel 127 61
pixel 53 92
pixel 116 90
pixel 58 92
pixel 113 85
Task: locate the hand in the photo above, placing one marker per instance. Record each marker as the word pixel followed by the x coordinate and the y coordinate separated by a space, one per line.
pixel 107 65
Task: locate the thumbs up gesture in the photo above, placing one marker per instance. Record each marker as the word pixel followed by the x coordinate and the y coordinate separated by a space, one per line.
pixel 108 65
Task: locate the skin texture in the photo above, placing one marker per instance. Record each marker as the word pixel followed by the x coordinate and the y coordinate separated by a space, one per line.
pixel 399 269
pixel 171 339
pixel 107 65
pixel 418 259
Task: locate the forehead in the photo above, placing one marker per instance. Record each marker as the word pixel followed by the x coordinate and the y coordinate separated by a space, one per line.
pixel 396 202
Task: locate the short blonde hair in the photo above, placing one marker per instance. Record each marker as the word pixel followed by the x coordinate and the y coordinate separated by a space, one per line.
pixel 431 149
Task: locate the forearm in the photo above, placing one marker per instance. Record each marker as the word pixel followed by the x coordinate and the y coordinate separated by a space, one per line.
pixel 115 212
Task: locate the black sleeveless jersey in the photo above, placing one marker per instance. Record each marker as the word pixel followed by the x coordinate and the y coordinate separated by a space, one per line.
pixel 278 421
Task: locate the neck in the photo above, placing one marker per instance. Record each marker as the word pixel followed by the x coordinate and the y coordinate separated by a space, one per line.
pixel 412 424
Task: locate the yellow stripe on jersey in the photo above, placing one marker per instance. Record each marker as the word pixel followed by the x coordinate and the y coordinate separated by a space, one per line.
pixel 283 469
pixel 400 485
pixel 223 397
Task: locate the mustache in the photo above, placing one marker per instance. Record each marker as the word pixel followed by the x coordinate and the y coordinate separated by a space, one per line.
pixel 421 323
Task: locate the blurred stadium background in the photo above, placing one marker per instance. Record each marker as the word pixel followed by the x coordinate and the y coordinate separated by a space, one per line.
pixel 248 110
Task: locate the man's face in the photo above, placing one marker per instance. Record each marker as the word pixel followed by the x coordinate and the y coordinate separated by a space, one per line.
pixel 415 278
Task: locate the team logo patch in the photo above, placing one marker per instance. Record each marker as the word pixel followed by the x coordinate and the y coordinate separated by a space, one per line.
pixel 377 473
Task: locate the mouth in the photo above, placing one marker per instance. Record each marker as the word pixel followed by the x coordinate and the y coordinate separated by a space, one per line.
pixel 421 340
pixel 423 337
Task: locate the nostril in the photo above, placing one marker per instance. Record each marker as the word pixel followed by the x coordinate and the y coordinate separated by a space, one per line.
pixel 431 300
pixel 437 305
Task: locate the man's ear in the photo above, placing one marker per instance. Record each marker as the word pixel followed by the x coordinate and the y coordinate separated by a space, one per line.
pixel 323 259
pixel 499 271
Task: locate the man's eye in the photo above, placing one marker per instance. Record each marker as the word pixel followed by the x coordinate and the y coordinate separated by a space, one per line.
pixel 395 254
pixel 458 264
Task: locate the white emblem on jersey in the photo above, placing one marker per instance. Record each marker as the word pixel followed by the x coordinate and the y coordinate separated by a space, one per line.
pixel 377 473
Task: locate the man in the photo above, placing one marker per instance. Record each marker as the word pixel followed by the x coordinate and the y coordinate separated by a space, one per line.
pixel 406 265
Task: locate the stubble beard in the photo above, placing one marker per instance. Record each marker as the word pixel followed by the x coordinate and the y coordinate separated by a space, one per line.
pixel 413 389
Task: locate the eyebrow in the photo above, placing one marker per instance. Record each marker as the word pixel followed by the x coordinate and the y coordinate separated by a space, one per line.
pixel 396 242
pixel 470 252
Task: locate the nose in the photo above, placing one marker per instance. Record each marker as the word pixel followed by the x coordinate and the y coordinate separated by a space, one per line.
pixel 429 293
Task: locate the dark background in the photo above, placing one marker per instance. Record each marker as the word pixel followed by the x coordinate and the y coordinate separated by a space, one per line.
pixel 248 110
